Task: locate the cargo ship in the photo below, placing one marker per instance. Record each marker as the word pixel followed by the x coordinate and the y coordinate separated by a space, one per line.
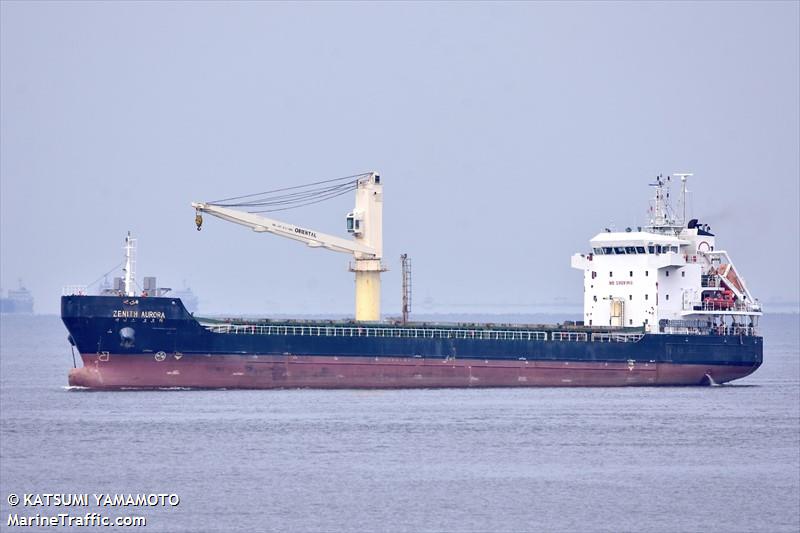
pixel 662 306
pixel 18 301
pixel 187 296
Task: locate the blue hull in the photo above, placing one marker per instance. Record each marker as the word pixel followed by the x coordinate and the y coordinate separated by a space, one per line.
pixel 123 340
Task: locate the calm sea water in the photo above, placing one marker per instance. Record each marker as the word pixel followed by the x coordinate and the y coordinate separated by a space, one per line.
pixel 640 459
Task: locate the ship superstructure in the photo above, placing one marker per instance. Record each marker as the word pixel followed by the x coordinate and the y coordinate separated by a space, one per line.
pixel 667 277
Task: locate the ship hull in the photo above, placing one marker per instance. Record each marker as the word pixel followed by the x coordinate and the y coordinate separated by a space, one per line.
pixel 233 371
pixel 156 343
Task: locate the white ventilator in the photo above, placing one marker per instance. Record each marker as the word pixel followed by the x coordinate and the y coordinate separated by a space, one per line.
pixel 364 223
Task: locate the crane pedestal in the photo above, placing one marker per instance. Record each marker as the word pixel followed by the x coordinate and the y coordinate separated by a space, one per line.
pixel 368 289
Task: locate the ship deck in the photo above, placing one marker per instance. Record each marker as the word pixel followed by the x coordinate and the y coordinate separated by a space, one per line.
pixel 430 330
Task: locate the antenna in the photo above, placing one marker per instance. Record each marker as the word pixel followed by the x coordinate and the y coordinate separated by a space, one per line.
pixel 664 219
pixel 659 207
pixel 683 176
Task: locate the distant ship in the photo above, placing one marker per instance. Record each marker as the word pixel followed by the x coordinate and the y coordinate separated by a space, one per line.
pixel 662 306
pixel 187 297
pixel 19 301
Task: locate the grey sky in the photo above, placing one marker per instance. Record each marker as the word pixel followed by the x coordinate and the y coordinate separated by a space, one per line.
pixel 507 136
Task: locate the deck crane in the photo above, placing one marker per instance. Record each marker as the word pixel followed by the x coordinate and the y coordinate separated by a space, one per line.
pixel 364 222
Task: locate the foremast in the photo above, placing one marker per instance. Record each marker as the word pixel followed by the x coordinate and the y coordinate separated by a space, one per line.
pixel 130 265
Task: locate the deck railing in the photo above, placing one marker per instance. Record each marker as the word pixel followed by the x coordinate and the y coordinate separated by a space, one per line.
pixel 356 331
pixel 617 337
pixel 571 336
pixel 419 333
pixel 737 306
pixel 74 290
pixel 738 330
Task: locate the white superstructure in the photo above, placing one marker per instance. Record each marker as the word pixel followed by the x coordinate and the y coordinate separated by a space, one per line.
pixel 668 277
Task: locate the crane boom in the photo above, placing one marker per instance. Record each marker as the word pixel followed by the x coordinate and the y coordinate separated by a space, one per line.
pixel 364 222
pixel 312 238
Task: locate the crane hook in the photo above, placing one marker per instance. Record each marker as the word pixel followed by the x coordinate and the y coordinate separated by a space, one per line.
pixel 198 219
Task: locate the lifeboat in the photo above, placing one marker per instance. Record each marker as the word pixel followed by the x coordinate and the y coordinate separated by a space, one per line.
pixel 720 300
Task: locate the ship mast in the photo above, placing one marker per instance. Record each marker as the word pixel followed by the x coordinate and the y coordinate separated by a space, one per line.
pixel 406 269
pixel 683 176
pixel 130 265
pixel 662 216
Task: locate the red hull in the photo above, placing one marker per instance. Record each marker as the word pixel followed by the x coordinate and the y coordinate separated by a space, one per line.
pixel 269 372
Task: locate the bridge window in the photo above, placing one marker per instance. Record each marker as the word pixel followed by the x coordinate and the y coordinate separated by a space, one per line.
pixel 651 249
pixel 608 250
pixel 619 250
pixel 640 250
pixel 630 249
